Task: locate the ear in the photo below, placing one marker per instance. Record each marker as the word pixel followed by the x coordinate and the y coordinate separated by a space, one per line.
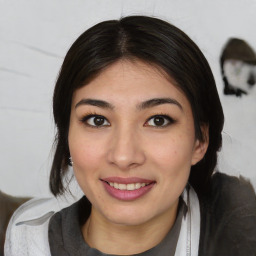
pixel 201 146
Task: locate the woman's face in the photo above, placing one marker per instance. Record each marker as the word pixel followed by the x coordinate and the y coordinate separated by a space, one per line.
pixel 132 141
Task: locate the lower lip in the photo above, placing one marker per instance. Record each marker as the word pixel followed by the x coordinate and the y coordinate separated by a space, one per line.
pixel 127 195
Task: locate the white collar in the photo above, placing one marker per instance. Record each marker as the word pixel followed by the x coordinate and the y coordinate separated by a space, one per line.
pixel 188 243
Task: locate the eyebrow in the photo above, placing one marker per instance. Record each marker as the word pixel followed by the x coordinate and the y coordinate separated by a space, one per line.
pixel 158 101
pixel 94 102
pixel 143 105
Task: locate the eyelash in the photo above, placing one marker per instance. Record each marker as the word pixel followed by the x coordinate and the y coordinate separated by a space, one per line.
pixel 85 119
pixel 166 118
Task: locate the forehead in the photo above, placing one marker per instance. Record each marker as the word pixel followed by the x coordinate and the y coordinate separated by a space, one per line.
pixel 131 82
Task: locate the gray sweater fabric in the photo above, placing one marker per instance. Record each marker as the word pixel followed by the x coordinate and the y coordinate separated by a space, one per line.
pixel 228 223
pixel 228 218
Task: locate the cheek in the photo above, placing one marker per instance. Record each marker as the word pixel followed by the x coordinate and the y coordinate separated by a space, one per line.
pixel 85 150
pixel 172 159
pixel 172 152
pixel 86 157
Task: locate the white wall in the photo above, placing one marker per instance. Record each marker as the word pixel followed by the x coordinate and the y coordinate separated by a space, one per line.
pixel 34 37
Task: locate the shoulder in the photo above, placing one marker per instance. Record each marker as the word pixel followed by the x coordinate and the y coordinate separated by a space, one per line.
pixel 27 231
pixel 65 227
pixel 231 187
pixel 229 216
pixel 232 197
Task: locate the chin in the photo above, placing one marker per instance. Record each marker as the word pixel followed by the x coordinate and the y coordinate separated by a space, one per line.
pixel 127 216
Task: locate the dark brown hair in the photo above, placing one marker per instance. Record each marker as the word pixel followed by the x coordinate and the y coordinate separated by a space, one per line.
pixel 153 41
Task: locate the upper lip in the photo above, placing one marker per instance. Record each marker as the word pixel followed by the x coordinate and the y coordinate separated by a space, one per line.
pixel 128 180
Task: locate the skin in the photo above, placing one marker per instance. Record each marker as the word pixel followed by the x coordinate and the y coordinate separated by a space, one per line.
pixel 129 144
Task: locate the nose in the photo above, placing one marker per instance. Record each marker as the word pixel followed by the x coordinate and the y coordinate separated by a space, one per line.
pixel 125 149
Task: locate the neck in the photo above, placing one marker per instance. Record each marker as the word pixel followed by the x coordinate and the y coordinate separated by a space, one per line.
pixel 113 238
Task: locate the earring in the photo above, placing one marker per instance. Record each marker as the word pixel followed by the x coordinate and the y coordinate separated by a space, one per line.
pixel 70 161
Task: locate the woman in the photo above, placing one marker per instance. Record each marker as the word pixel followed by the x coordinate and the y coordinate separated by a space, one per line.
pixel 139 118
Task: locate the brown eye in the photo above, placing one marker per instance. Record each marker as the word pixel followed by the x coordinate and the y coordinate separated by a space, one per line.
pixel 98 121
pixel 159 121
pixel 95 121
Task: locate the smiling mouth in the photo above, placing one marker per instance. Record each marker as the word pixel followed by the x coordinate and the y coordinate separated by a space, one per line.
pixel 129 187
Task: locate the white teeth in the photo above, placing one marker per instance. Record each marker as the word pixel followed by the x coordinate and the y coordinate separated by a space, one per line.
pixel 137 185
pixel 122 187
pixel 131 186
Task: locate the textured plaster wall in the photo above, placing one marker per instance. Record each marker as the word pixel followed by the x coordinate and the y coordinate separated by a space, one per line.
pixel 34 37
